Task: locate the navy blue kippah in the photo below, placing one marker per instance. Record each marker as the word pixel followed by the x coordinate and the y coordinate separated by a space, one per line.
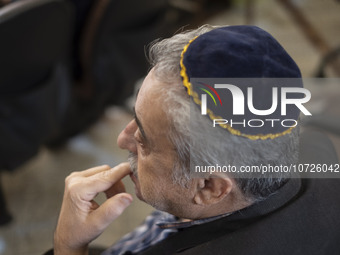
pixel 241 53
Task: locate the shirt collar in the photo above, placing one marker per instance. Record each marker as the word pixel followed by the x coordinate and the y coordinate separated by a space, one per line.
pixel 180 224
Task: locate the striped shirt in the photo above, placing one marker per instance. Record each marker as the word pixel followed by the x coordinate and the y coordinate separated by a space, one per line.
pixel 156 227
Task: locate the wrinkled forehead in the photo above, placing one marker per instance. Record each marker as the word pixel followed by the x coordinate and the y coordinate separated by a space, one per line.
pixel 146 89
pixel 149 93
pixel 149 106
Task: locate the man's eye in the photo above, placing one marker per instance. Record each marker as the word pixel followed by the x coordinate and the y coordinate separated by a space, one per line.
pixel 139 140
pixel 141 145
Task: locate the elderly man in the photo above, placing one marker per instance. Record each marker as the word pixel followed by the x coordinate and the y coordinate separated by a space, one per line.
pixel 210 212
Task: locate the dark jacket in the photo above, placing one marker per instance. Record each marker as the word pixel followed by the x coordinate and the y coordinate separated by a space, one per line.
pixel 302 218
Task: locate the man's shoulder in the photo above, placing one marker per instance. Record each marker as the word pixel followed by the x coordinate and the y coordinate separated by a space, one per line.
pixel 325 191
pixel 308 223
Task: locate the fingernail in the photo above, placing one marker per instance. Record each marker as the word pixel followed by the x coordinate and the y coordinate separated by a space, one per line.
pixel 127 200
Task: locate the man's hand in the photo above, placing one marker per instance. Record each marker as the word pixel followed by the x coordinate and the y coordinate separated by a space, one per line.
pixel 81 219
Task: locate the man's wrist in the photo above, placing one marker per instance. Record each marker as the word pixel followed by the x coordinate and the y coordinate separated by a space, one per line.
pixel 61 248
pixel 66 251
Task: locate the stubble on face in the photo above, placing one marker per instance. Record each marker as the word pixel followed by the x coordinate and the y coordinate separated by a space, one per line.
pixel 133 159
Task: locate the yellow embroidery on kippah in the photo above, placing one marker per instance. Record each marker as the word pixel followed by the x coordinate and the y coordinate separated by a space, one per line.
pixel 183 71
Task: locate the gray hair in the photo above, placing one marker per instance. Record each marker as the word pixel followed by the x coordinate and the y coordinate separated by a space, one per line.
pixel 226 149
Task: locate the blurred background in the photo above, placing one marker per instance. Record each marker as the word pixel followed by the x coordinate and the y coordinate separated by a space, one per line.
pixel 68 72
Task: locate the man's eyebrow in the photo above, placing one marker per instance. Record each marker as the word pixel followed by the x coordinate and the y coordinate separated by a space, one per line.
pixel 139 124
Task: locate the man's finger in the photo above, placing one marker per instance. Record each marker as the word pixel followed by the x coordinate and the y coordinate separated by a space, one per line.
pixel 110 210
pixel 96 170
pixel 117 188
pixel 103 180
pixel 90 171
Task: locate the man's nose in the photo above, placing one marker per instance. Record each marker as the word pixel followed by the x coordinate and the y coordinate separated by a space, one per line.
pixel 126 138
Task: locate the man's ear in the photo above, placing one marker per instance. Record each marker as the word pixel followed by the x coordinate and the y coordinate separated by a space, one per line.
pixel 212 190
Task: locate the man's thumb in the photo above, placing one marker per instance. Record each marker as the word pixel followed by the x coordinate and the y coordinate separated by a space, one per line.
pixel 111 209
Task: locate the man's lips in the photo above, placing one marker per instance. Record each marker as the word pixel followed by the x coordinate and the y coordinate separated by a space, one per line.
pixel 133 178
